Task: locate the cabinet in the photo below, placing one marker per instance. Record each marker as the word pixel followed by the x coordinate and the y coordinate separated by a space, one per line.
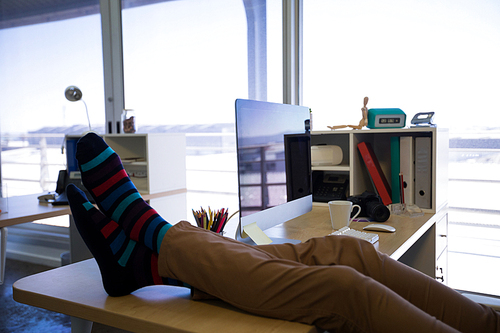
pixel 156 164
pixel 442 249
pixel 353 168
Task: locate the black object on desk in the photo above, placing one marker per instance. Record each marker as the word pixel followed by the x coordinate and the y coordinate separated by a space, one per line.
pixel 328 186
pixel 64 180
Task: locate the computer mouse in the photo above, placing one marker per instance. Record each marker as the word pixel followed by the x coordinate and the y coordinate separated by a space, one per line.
pixel 379 227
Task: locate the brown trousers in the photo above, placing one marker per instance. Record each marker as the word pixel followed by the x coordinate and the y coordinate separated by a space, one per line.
pixel 334 282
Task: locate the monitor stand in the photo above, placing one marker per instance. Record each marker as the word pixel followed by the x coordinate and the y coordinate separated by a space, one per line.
pixel 274 240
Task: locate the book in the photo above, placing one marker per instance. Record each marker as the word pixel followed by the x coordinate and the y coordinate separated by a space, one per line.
pixel 407 160
pixel 376 174
pixel 395 170
pixel 423 172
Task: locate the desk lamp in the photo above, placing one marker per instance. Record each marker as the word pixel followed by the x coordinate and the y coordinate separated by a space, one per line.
pixel 73 94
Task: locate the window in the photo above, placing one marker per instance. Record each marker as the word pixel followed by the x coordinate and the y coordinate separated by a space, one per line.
pixel 421 56
pixel 185 61
pixel 45 48
pixel 185 64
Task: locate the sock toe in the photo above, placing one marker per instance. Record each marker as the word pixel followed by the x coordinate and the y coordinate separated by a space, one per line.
pixel 77 195
pixel 89 146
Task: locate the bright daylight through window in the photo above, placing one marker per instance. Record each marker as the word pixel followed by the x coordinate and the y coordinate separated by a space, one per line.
pixel 421 56
pixel 185 63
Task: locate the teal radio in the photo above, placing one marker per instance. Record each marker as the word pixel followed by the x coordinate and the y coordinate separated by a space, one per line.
pixel 386 118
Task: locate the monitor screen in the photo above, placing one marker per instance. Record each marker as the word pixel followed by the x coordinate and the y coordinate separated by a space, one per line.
pixel 274 163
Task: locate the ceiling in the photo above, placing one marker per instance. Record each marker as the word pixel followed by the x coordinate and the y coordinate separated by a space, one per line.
pixel 15 13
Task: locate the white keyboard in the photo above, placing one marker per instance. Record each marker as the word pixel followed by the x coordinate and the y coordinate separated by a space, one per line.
pixel 346 231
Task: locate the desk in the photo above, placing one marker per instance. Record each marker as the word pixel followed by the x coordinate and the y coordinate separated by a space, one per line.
pixel 26 208
pixel 23 209
pixel 76 290
pixel 150 309
pixel 413 243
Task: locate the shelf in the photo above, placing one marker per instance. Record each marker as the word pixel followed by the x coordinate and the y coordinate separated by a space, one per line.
pixel 330 168
pixel 380 139
pixel 144 163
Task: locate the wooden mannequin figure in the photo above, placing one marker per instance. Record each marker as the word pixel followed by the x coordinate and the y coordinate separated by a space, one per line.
pixel 362 123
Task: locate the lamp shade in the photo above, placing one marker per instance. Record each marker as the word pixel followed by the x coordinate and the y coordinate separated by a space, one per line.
pixel 73 94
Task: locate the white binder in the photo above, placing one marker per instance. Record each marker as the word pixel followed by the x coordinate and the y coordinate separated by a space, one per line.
pixel 407 163
pixel 423 172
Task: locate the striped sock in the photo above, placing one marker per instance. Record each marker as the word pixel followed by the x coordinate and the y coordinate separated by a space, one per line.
pixel 125 265
pixel 107 181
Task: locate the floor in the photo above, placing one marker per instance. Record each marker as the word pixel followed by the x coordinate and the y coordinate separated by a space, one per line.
pixel 16 317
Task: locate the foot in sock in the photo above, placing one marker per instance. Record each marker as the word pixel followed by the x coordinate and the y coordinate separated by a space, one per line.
pixel 125 265
pixel 107 181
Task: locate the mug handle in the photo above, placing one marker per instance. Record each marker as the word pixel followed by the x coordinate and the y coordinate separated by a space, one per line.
pixel 356 215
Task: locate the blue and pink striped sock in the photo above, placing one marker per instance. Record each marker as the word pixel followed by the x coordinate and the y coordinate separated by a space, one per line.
pixel 125 264
pixel 107 181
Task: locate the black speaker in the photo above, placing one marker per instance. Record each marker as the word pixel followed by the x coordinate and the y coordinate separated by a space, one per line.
pixel 298 165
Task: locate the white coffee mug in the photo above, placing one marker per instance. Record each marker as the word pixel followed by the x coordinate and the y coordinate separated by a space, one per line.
pixel 340 213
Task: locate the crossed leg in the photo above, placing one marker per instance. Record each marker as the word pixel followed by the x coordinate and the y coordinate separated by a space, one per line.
pixel 422 291
pixel 331 294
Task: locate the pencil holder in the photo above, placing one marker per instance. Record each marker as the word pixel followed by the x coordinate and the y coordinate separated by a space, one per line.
pixel 214 221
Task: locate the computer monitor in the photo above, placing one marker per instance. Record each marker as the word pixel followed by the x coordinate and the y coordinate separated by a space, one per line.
pixel 274 164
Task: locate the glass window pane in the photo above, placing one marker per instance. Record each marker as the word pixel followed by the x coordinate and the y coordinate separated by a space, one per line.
pixel 185 64
pixel 420 56
pixel 37 62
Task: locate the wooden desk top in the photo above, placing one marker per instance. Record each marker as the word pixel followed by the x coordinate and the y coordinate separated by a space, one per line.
pixel 26 208
pixel 77 290
pixel 317 224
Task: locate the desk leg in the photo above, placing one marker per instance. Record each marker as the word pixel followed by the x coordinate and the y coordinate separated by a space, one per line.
pixel 79 325
pixel 3 252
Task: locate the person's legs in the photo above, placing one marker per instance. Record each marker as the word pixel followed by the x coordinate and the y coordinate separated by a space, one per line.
pixel 107 181
pixel 427 294
pixel 118 197
pixel 254 280
pixel 125 265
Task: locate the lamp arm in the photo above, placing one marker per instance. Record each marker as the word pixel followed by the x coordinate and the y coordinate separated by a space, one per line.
pixel 87 111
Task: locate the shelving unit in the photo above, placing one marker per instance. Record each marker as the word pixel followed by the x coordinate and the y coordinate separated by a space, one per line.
pixel 156 164
pixel 354 168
